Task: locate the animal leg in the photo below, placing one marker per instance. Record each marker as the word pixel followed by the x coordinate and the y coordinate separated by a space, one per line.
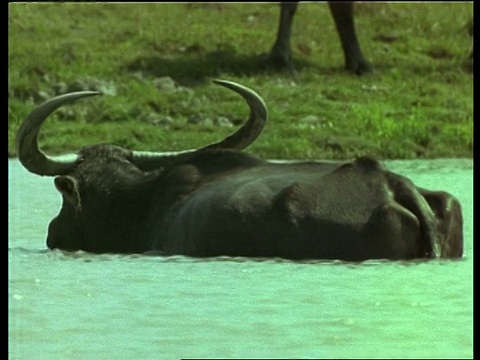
pixel 281 54
pixel 342 13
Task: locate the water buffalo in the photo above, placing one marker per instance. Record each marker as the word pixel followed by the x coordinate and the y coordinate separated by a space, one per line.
pixel 218 200
pixel 280 55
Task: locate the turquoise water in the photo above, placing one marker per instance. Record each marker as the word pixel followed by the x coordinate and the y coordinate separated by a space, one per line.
pixel 83 306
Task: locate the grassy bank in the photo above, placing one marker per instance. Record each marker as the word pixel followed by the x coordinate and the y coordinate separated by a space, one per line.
pixel 154 62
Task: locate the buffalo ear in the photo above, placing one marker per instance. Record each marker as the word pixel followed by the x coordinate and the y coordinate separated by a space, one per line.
pixel 68 186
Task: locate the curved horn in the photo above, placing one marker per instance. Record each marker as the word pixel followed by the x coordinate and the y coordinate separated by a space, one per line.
pixel 29 153
pixel 253 126
pixel 238 140
pixel 40 163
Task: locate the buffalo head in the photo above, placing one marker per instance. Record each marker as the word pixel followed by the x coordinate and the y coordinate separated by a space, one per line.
pixel 96 182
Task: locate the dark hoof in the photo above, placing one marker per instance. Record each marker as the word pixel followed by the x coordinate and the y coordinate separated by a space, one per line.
pixel 276 63
pixel 362 67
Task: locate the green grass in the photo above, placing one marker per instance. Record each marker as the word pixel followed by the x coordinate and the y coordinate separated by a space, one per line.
pixel 417 103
